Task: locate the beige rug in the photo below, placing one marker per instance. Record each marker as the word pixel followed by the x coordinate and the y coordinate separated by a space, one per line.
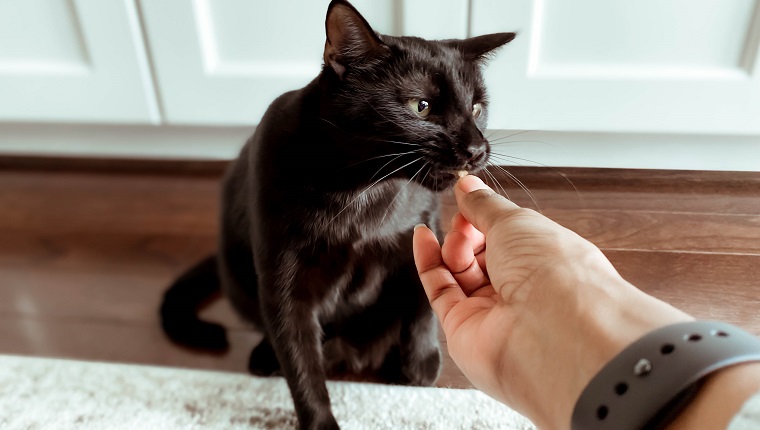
pixel 62 394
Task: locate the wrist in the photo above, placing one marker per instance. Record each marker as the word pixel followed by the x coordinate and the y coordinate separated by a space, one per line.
pixel 611 314
pixel 720 398
pixel 599 315
pixel 616 323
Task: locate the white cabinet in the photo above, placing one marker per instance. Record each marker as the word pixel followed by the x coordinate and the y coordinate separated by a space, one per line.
pixel 222 62
pixel 74 61
pixel 671 84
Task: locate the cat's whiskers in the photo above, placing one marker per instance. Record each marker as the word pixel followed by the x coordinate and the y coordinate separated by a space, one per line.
pixel 383 166
pixel 368 138
pixel 519 183
pixel 403 187
pixel 372 185
pixel 430 168
pixel 395 157
pixel 332 124
pixel 502 140
pixel 505 140
pixel 509 135
pixel 383 156
pixel 496 142
pixel 487 180
pixel 511 158
pixel 496 182
pixel 489 134
pixel 394 141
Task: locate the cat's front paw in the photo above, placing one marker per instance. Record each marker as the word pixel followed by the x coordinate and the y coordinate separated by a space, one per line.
pixel 327 425
pixel 263 361
pixel 420 369
pixel 318 421
pixel 423 371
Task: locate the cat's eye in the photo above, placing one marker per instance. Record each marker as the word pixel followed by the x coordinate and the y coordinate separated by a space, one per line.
pixel 477 109
pixel 420 107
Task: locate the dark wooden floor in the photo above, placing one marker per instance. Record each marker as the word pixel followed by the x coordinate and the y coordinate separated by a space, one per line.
pixel 87 248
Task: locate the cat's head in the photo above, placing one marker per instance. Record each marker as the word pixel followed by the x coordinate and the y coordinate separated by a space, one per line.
pixel 418 108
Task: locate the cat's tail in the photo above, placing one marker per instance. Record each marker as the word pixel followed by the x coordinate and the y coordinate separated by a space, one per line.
pixel 183 300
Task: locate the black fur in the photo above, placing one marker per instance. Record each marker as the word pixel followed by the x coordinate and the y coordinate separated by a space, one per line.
pixel 180 307
pixel 319 208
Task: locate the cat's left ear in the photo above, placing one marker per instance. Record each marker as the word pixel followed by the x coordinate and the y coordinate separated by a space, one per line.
pixel 480 47
pixel 350 39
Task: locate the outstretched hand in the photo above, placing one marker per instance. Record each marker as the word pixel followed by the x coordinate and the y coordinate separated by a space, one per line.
pixel 517 294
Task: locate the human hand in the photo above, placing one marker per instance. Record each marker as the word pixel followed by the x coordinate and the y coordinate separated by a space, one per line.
pixel 531 311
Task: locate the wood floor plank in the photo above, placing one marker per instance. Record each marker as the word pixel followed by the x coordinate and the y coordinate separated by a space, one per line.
pixel 636 200
pixel 116 342
pixel 86 253
pixel 532 174
pixel 709 286
pixel 664 231
pixel 78 202
pixel 128 297
pixel 144 344
pixel 624 180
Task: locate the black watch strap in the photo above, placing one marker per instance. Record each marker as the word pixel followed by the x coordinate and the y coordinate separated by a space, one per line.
pixel 649 382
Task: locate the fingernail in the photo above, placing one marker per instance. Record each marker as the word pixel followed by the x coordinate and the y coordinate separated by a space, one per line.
pixel 418 226
pixel 471 183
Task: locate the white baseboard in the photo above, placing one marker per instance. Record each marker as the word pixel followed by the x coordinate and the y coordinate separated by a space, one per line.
pixel 180 142
pixel 531 148
pixel 628 150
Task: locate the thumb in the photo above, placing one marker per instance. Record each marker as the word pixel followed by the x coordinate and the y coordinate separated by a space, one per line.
pixel 479 204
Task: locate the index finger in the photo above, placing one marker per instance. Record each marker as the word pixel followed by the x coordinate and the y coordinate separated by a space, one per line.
pixel 479 204
pixel 442 290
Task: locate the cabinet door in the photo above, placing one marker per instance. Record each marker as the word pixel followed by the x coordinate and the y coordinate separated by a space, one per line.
pixel 655 66
pixel 223 61
pixel 74 61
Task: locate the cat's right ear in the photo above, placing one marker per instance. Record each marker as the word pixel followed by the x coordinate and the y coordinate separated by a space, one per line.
pixel 480 47
pixel 350 39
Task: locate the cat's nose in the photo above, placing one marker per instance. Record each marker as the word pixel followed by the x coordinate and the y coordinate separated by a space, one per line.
pixel 476 151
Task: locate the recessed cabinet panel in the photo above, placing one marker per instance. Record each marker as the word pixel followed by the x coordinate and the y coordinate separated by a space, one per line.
pixel 74 61
pixel 223 62
pixel 41 36
pixel 648 35
pixel 671 66
pixel 241 34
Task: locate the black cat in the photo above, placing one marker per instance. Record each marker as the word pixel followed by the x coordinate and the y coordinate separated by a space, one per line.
pixel 319 208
